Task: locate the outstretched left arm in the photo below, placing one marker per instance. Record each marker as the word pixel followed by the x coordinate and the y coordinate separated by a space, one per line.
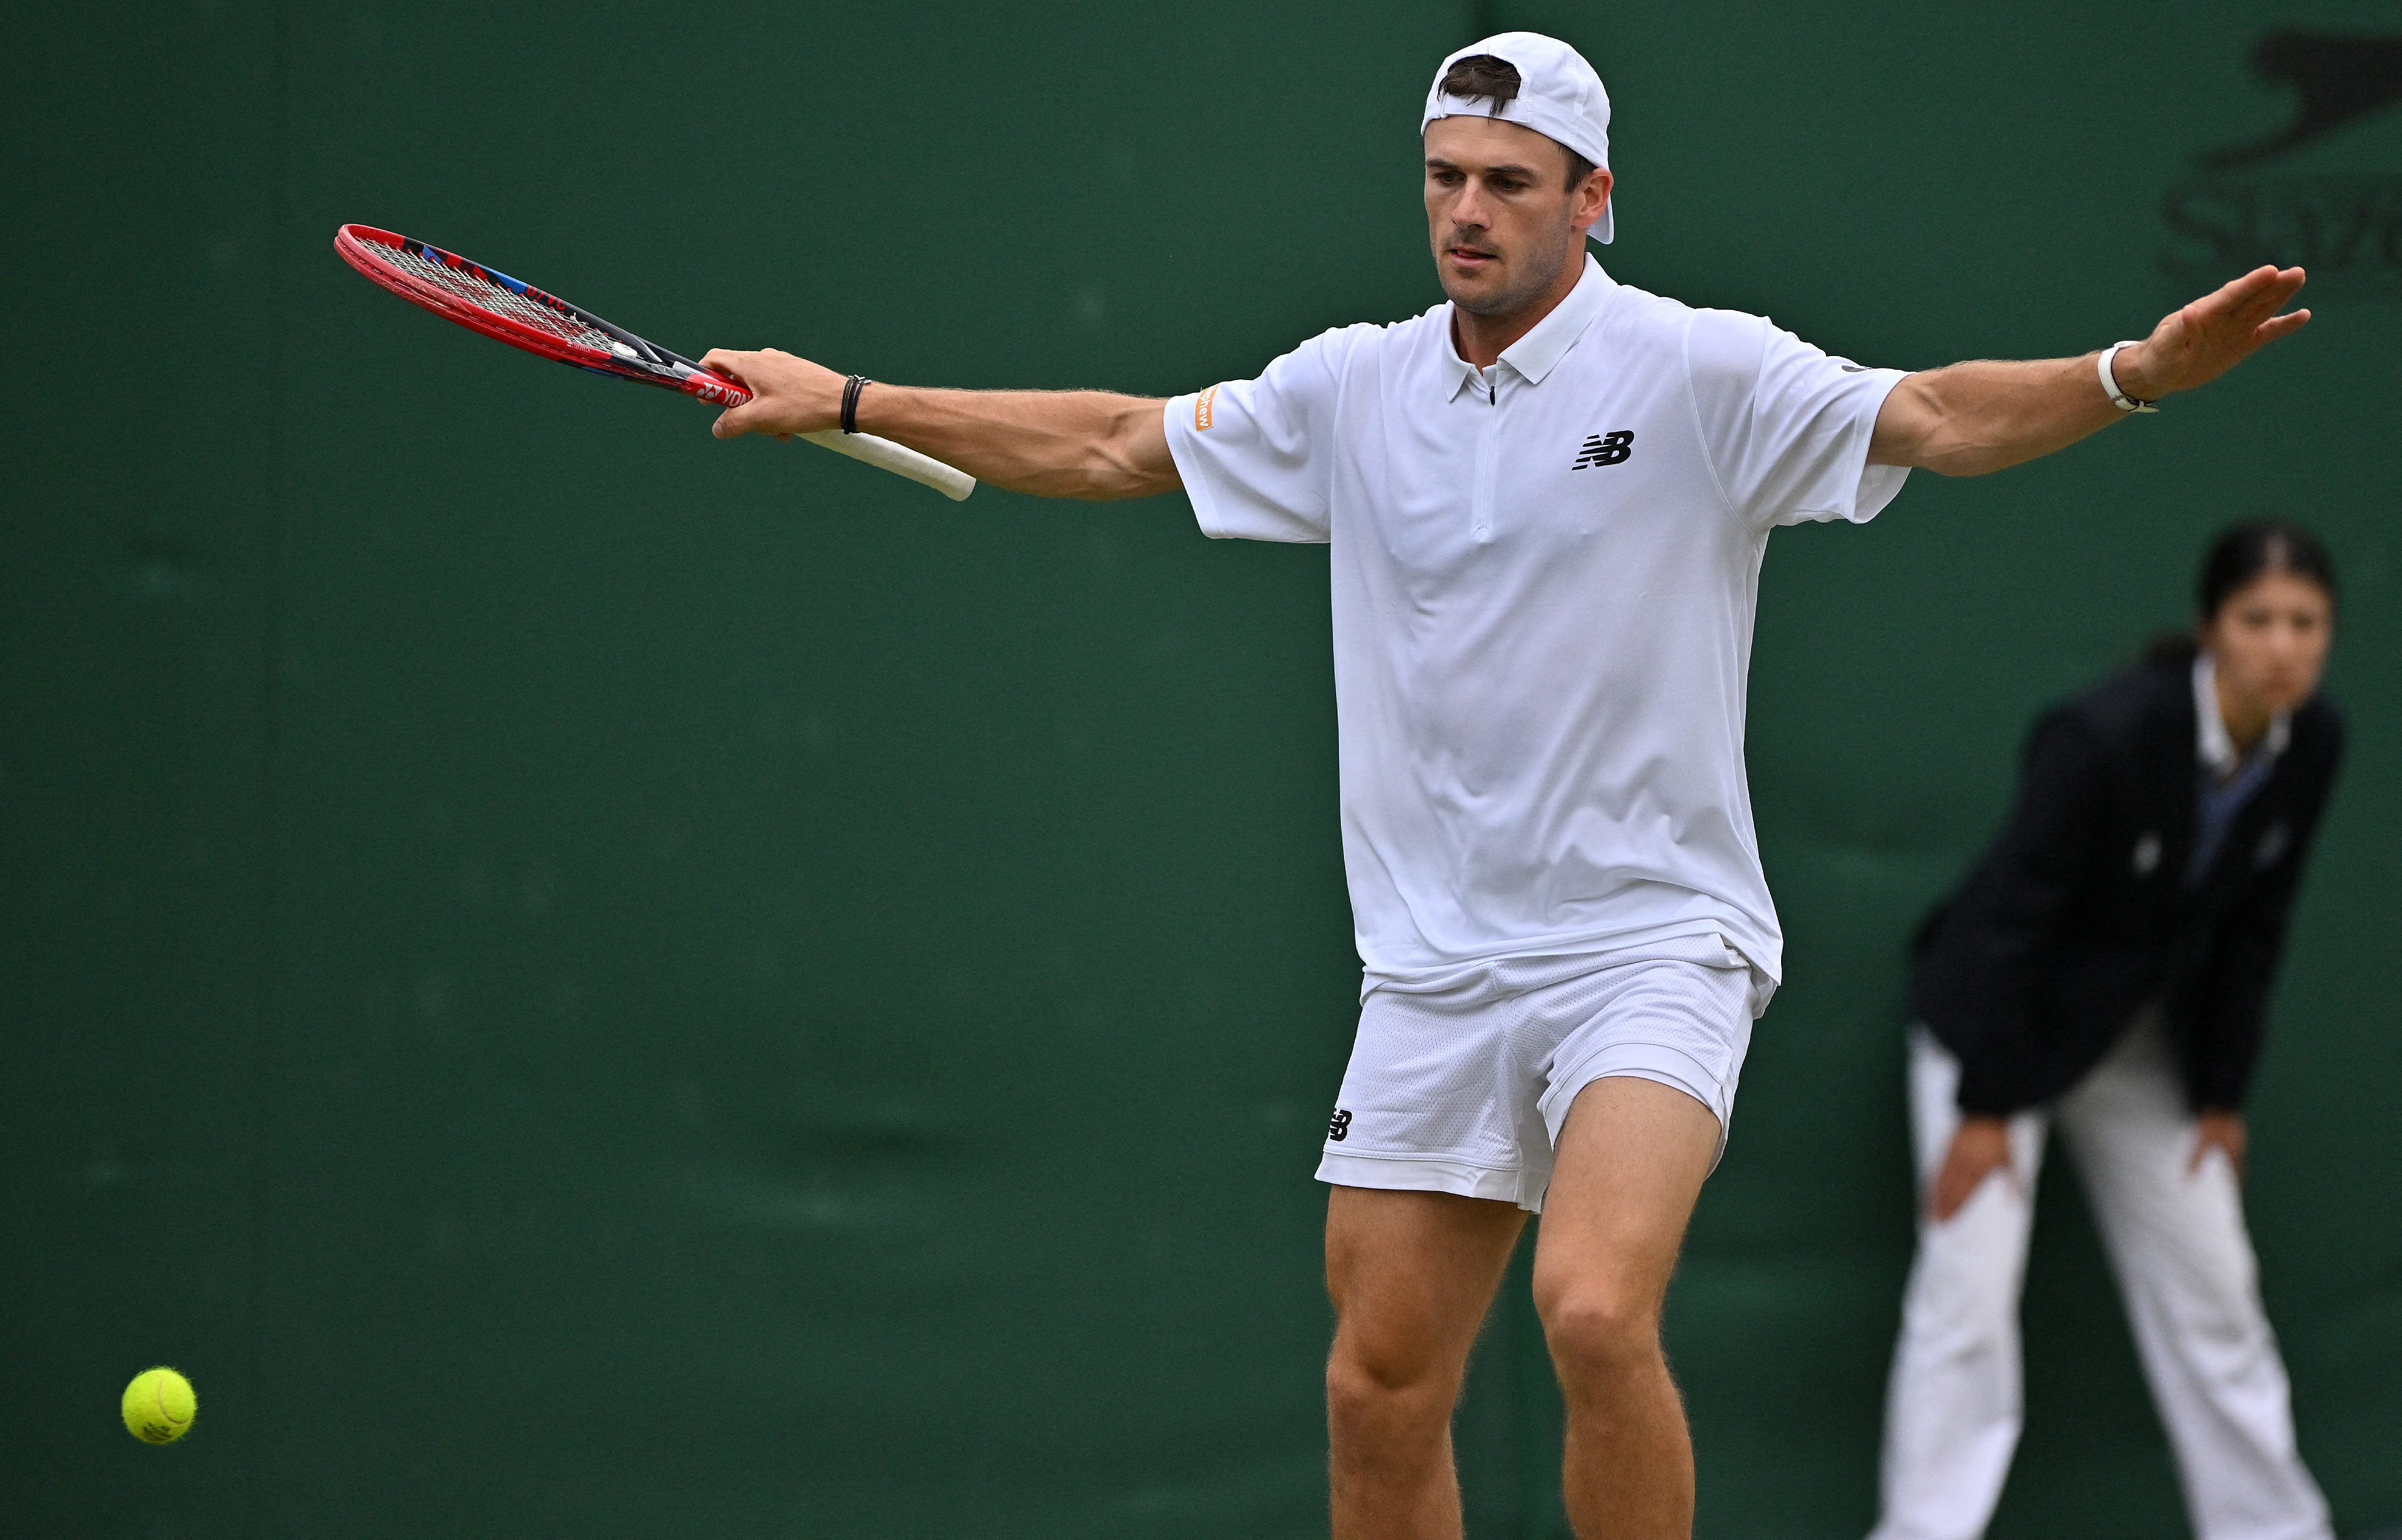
pixel 1968 419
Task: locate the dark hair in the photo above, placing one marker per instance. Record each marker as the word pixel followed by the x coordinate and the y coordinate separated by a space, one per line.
pixel 1489 77
pixel 2252 549
pixel 2241 553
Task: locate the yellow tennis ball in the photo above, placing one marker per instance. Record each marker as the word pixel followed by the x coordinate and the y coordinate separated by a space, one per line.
pixel 159 1406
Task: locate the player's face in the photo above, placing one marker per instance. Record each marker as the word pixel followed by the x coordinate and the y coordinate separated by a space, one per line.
pixel 2269 639
pixel 1500 212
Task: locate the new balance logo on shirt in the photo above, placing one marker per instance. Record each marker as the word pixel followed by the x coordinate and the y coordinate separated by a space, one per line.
pixel 1338 1125
pixel 1605 449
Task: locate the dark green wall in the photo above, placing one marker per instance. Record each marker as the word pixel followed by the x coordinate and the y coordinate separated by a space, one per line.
pixel 584 981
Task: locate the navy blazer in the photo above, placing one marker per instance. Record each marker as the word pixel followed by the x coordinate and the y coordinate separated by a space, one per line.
pixel 2081 913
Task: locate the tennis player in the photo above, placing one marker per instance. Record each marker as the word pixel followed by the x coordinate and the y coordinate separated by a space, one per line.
pixel 1547 499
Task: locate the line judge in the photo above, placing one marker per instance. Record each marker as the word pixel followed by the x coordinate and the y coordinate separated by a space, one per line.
pixel 2105 968
pixel 1547 499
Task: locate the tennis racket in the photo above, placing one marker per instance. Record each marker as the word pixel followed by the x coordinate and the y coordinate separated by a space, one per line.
pixel 517 313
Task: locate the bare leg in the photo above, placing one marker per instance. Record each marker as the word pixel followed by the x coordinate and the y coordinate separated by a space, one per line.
pixel 1410 1274
pixel 1631 1160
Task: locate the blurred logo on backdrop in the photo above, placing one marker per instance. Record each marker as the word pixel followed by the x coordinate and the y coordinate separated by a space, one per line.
pixel 2324 192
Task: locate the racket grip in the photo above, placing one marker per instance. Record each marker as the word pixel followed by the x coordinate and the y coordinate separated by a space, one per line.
pixel 885 455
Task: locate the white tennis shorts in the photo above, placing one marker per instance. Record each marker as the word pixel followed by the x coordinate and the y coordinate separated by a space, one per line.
pixel 1462 1086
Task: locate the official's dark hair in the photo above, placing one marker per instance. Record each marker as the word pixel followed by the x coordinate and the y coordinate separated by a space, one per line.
pixel 2252 549
pixel 2242 553
pixel 1489 77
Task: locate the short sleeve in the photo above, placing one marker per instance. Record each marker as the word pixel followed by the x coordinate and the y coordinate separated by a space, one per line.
pixel 1257 455
pixel 1785 425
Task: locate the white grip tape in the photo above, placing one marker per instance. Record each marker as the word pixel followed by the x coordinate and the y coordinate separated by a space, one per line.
pixel 885 455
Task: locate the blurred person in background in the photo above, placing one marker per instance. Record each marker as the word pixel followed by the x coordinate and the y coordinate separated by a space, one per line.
pixel 2106 967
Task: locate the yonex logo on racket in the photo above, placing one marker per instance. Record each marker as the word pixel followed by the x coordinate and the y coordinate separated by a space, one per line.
pixel 1339 1126
pixel 1605 449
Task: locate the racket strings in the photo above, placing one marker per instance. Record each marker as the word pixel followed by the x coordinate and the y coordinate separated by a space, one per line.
pixel 500 300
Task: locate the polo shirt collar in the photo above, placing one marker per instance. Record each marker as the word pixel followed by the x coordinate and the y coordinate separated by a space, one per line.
pixel 2213 746
pixel 1536 353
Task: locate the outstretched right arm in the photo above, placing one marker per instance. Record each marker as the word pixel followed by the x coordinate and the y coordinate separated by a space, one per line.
pixel 1082 444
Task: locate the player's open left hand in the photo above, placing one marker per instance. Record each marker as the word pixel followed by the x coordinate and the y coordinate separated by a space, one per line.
pixel 2195 345
pixel 788 395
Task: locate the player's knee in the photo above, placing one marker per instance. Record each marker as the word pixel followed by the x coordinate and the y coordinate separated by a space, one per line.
pixel 1600 1330
pixel 1368 1391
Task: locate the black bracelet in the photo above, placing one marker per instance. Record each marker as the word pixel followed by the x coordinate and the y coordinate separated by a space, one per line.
pixel 851 385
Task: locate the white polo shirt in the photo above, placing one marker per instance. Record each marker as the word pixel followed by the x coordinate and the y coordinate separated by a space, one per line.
pixel 1544 579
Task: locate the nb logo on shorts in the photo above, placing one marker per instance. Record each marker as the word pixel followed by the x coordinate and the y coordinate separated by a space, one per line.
pixel 1605 449
pixel 1338 1126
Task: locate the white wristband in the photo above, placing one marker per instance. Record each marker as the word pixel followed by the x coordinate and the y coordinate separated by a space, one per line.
pixel 2119 398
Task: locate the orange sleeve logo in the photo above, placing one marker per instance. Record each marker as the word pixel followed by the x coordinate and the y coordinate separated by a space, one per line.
pixel 1203 407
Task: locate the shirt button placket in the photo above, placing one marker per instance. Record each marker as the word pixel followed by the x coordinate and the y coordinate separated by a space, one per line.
pixel 1487 454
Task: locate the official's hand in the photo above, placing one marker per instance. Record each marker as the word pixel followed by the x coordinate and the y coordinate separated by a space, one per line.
pixel 788 395
pixel 2195 345
pixel 2220 1131
pixel 1979 1148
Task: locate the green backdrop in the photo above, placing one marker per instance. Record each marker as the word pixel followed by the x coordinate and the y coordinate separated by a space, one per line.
pixel 587 982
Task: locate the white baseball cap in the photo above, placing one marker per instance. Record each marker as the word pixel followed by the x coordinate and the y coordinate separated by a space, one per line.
pixel 1559 96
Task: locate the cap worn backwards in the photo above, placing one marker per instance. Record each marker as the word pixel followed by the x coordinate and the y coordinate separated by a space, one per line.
pixel 1559 96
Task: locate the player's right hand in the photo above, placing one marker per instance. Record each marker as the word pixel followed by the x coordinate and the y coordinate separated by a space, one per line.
pixel 788 395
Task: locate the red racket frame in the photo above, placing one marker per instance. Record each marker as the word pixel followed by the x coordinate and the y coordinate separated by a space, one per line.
pixel 650 365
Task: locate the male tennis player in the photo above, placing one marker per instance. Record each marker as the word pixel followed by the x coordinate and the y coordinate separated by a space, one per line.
pixel 1547 502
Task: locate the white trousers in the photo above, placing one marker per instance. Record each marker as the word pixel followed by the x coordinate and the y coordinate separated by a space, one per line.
pixel 2178 1243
